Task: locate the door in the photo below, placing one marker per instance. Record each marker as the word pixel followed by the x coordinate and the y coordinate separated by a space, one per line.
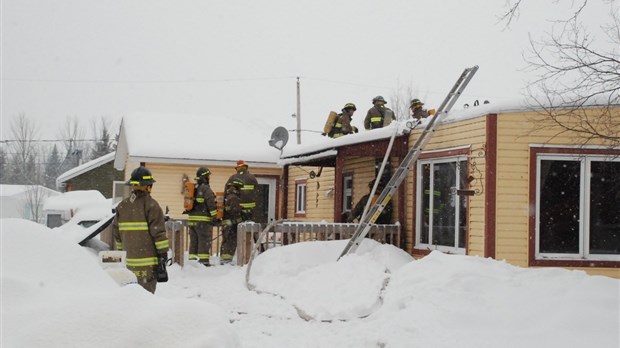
pixel 266 200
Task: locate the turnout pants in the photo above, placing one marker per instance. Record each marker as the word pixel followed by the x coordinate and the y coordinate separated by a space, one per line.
pixel 200 236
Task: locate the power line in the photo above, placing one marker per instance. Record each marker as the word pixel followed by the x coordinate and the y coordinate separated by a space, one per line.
pixel 149 81
pixel 44 140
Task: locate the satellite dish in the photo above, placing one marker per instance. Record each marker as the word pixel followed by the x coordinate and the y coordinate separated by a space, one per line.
pixel 279 138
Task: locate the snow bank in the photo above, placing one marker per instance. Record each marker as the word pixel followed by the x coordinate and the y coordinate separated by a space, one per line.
pixel 476 302
pixel 54 294
pixel 352 286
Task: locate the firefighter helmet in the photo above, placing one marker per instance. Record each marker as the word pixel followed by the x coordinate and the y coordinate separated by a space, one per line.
pixel 416 102
pixel 349 106
pixel 241 163
pixel 378 98
pixel 141 177
pixel 202 172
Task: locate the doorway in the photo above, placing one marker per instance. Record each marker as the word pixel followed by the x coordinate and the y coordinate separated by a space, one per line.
pixel 266 200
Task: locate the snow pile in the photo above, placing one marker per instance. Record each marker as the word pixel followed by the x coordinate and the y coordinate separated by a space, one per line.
pixel 54 294
pixel 82 206
pixel 353 285
pixel 476 302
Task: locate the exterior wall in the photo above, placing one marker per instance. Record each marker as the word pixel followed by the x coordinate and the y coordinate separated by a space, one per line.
pixel 517 132
pixel 363 170
pixel 469 135
pixel 319 205
pixel 99 179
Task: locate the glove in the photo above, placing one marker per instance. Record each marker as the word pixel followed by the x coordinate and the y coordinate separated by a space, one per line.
pixel 161 273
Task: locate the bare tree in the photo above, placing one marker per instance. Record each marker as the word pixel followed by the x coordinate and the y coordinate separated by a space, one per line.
pixel 23 149
pixel 575 73
pixel 73 141
pixel 401 101
pixel 35 197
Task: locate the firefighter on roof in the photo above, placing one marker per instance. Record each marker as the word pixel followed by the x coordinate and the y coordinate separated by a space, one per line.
pixel 201 218
pixel 378 116
pixel 418 112
pixel 138 228
pixel 342 124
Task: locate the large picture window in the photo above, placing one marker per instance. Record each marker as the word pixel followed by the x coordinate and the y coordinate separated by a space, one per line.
pixel 577 207
pixel 441 213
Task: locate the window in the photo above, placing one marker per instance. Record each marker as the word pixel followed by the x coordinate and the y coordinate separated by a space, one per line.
pixel 300 197
pixel 347 193
pixel 441 213
pixel 577 214
pixel 120 191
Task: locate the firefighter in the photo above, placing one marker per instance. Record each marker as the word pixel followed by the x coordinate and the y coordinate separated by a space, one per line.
pixel 386 214
pixel 232 217
pixel 249 185
pixel 378 116
pixel 418 112
pixel 201 218
pixel 138 228
pixel 342 125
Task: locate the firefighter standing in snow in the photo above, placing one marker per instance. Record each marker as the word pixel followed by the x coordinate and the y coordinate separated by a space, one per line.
pixel 342 125
pixel 232 217
pixel 138 228
pixel 201 218
pixel 378 116
pixel 248 184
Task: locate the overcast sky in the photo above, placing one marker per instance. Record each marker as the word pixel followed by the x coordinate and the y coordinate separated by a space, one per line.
pixel 94 58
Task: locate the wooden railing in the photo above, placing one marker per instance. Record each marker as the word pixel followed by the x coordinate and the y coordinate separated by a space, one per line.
pixel 293 232
pixel 283 233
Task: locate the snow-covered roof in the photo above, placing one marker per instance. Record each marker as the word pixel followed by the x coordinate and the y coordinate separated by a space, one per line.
pixel 75 200
pixel 81 169
pixel 14 190
pixel 294 153
pixel 329 146
pixel 194 138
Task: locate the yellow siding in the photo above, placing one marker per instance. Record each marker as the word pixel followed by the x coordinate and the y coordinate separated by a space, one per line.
pixel 470 133
pixel 319 204
pixel 168 185
pixel 515 133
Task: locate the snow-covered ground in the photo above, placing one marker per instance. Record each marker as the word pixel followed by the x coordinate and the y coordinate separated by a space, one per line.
pixel 55 294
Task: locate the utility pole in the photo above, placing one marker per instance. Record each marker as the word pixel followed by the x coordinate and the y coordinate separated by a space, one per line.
pixel 298 114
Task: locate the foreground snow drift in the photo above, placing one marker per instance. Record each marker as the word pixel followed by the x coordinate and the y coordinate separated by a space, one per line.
pixel 54 294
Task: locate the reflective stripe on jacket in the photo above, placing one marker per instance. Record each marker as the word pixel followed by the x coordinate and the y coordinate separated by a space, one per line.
pixel 138 228
pixel 204 205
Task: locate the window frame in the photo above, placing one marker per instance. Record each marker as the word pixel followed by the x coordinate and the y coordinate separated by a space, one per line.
pixel 583 258
pixel 446 157
pixel 347 193
pixel 301 194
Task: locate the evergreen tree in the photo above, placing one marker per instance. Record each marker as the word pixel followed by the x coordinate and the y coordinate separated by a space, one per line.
pixel 3 167
pixel 104 143
pixel 52 168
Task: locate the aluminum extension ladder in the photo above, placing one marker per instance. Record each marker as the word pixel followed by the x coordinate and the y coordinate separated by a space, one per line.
pixel 401 173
